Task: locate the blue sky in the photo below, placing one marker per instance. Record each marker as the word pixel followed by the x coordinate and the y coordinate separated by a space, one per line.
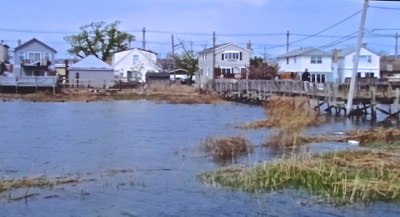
pixel 263 22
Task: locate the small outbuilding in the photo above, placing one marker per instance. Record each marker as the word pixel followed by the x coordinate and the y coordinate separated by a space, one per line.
pixel 154 79
pixel 91 72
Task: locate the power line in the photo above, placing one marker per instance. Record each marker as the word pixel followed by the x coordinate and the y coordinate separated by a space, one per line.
pixel 385 8
pixel 326 29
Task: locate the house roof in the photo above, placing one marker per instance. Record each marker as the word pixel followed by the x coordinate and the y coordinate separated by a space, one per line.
pixel 347 51
pixel 91 62
pixel 138 49
pixel 34 40
pixel 309 51
pixel 219 47
pixel 179 71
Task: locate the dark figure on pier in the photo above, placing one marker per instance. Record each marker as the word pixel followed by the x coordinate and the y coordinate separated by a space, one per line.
pixel 306 76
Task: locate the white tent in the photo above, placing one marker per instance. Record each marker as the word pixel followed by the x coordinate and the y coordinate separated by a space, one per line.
pixel 92 72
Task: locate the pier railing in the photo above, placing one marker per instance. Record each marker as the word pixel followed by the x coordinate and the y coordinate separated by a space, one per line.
pixel 332 92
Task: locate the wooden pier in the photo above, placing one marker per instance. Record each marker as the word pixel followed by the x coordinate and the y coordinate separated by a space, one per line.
pixel 366 100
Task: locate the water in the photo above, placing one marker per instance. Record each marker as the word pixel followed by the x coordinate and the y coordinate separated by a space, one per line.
pixel 156 144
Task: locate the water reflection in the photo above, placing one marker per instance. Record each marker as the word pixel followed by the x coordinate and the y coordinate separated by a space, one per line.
pixel 153 148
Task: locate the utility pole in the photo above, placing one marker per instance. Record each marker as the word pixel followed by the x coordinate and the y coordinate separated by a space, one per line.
pixel 144 38
pixel 287 41
pixel 213 64
pixel 349 104
pixel 395 50
pixel 173 56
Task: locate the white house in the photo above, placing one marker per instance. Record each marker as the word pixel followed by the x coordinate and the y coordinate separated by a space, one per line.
pixel 318 63
pixel 368 63
pixel 133 64
pixel 92 72
pixel 232 60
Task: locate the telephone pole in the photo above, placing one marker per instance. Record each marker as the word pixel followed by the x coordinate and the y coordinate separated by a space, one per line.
pixel 349 104
pixel 213 64
pixel 144 38
pixel 173 56
pixel 395 49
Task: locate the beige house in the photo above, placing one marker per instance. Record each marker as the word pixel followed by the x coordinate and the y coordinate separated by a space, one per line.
pixel 4 52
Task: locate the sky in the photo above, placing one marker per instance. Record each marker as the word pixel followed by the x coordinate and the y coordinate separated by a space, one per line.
pixel 324 24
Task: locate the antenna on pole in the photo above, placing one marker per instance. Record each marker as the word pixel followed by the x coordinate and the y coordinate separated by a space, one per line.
pixel 144 38
pixel 287 41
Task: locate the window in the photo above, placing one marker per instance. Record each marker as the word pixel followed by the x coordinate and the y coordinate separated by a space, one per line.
pixel 369 75
pixel 287 60
pixel 363 58
pixel 135 58
pixel 316 60
pixel 231 55
pixel 227 72
pixel 34 56
pixel 47 56
pixel 318 77
pixel 21 56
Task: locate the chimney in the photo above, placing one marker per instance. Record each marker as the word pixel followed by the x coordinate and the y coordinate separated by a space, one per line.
pixel 364 45
pixel 335 55
pixel 19 42
pixel 248 45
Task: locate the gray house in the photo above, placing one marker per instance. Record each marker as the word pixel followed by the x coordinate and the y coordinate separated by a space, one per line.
pixel 34 58
pixel 231 61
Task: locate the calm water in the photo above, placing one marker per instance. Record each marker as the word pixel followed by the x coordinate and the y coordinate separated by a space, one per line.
pixel 157 143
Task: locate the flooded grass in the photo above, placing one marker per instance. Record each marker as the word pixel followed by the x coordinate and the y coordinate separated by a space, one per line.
pixel 290 115
pixel 226 148
pixel 344 177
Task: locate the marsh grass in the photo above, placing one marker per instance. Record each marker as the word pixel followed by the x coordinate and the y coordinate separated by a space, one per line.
pixel 377 138
pixel 226 148
pixel 290 115
pixel 343 177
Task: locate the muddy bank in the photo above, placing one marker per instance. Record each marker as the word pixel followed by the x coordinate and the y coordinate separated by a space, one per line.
pixel 172 94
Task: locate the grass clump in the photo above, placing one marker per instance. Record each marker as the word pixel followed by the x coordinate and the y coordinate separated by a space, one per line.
pixel 227 148
pixel 344 177
pixel 290 115
pixel 40 182
pixel 388 138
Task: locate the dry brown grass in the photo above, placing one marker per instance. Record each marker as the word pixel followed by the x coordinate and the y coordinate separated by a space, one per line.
pixel 291 115
pixel 384 137
pixel 179 94
pixel 227 148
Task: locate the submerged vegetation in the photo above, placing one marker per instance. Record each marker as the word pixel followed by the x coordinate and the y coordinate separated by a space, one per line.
pixel 343 177
pixel 290 116
pixel 362 175
pixel 227 148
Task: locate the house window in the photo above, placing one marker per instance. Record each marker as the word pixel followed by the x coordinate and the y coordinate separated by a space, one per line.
pixel 363 58
pixel 231 55
pixel 21 56
pixel 34 57
pixel 316 60
pixel 227 72
pixel 369 75
pixel 47 56
pixel 287 60
pixel 135 58
pixel 318 77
